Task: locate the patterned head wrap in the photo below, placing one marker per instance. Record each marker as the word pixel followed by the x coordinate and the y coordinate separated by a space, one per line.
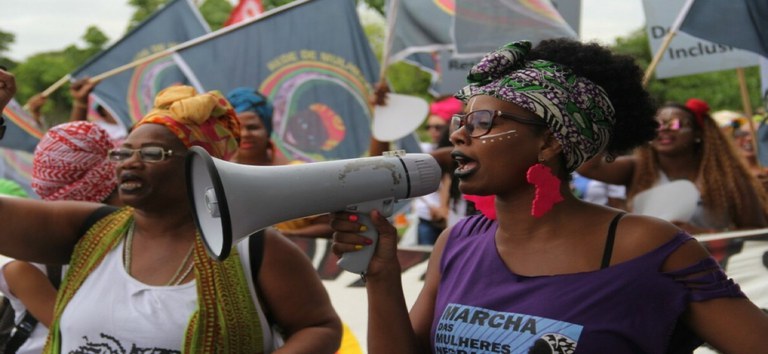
pixel 71 163
pixel 248 99
pixel 577 111
pixel 206 120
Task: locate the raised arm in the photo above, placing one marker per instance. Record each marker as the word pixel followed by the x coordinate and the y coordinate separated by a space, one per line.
pixel 296 299
pixel 80 90
pixel 618 172
pixel 41 231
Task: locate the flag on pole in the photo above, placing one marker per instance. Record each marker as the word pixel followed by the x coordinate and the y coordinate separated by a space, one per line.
pixel 130 94
pixel 737 23
pixel 312 60
pixel 427 33
pixel 482 26
pixel 22 132
pixel 244 10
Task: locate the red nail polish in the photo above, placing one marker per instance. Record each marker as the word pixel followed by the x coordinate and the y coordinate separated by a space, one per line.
pixel 353 217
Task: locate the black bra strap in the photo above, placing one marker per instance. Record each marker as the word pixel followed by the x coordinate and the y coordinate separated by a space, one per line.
pixel 608 251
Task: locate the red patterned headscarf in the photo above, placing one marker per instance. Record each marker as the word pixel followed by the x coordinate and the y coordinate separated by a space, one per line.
pixel 71 163
pixel 206 120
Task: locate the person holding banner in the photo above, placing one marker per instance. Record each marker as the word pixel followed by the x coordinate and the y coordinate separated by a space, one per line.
pixel 140 277
pixel 691 146
pixel 552 273
pixel 80 91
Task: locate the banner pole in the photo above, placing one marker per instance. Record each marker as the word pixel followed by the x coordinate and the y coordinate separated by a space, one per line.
pixel 667 39
pixel 746 104
pixel 388 39
pixel 56 85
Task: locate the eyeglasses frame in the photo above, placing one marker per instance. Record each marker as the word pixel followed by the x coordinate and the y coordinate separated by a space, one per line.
pixel 494 113
pixel 166 153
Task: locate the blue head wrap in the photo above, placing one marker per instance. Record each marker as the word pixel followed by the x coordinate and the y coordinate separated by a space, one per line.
pixel 245 99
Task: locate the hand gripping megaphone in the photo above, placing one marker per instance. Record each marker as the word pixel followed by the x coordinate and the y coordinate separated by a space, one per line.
pixel 232 201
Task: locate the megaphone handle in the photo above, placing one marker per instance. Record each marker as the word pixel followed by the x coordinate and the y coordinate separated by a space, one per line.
pixel 357 261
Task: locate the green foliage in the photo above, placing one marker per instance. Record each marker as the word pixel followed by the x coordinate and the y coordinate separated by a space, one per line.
pixel 216 12
pixel 95 38
pixel 6 39
pixel 144 8
pixel 720 88
pixel 38 72
pixel 41 70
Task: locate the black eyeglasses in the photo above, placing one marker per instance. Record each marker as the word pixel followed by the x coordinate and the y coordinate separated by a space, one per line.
pixel 147 154
pixel 479 123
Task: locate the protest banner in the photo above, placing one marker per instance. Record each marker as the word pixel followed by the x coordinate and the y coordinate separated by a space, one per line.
pixel 21 132
pixel 679 54
pixel 129 94
pixel 447 37
pixel 318 80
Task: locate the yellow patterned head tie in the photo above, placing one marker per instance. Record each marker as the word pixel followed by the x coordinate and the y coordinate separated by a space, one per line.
pixel 206 120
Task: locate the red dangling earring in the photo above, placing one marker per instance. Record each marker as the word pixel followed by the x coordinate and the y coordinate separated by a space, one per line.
pixel 547 189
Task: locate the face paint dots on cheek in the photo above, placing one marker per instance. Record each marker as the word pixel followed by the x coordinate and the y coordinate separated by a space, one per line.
pixel 498 137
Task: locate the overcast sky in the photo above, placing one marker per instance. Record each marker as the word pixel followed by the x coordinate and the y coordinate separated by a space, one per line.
pixel 49 25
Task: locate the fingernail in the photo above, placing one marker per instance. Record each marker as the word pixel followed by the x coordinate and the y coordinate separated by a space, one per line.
pixel 353 217
pixel 368 241
pixel 363 228
pixel 358 247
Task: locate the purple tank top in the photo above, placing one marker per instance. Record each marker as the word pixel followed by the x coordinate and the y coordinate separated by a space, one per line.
pixel 631 307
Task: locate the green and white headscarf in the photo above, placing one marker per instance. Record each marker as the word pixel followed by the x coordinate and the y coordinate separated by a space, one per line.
pixel 577 111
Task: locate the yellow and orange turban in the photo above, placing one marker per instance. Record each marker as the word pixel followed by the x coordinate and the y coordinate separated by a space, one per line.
pixel 206 120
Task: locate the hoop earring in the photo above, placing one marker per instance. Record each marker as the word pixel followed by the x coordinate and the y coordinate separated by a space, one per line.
pixel 547 188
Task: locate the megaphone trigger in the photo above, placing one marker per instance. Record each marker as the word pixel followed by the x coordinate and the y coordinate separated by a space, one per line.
pixel 357 261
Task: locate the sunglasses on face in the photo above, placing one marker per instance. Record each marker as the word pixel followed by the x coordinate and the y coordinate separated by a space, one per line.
pixel 147 154
pixel 674 124
pixel 435 126
pixel 479 123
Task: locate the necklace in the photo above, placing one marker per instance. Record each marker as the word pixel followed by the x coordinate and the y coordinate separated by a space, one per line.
pixel 181 273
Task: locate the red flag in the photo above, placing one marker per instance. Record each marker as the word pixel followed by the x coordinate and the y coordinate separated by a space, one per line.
pixel 244 10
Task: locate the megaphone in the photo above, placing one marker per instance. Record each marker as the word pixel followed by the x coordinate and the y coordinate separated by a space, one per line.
pixel 233 201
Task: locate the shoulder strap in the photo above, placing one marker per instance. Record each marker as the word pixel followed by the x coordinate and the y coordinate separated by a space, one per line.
pixel 97 215
pixel 256 254
pixel 54 274
pixel 608 251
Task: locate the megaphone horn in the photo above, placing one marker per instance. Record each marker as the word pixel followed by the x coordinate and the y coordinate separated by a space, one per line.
pixel 232 201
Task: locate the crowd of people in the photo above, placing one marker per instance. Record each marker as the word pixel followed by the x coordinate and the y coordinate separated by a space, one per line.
pixel 110 258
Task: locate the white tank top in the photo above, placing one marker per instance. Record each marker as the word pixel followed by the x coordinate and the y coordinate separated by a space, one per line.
pixel 113 312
